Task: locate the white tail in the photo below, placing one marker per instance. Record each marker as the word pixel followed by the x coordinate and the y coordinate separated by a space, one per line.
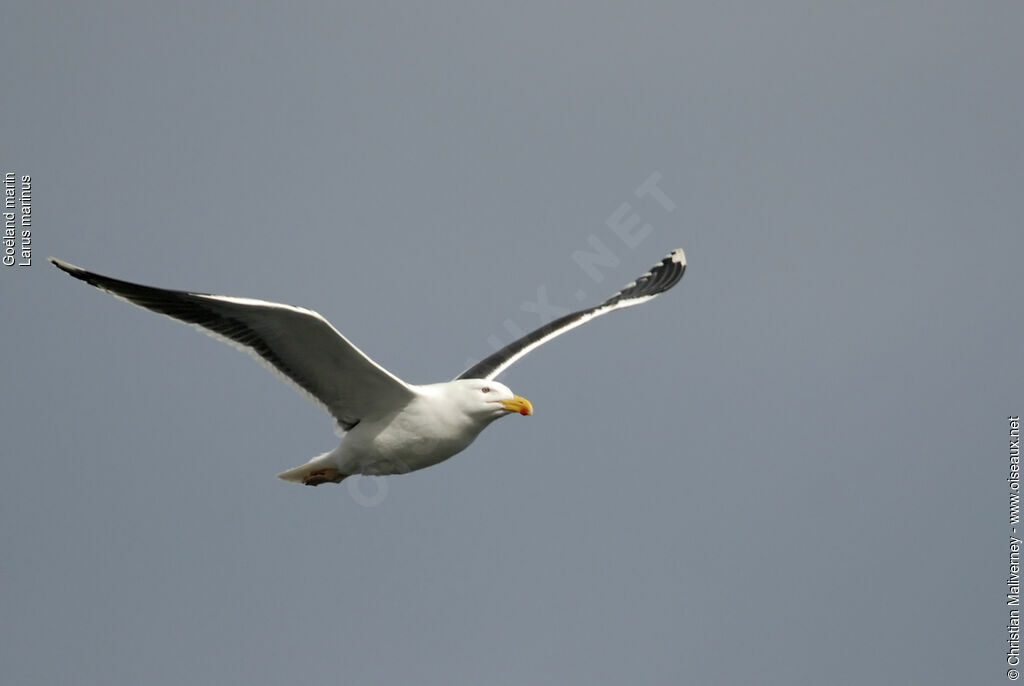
pixel 321 469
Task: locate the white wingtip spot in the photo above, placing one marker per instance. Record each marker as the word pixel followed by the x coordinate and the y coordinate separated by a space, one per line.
pixel 678 256
pixel 61 264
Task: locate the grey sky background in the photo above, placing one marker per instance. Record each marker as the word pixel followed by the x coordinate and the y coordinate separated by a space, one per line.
pixel 788 470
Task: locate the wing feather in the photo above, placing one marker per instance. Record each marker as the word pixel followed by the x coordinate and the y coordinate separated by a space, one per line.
pixel 662 277
pixel 298 344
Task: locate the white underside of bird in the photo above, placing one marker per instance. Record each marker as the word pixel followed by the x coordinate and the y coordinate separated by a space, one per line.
pixel 437 422
pixel 388 426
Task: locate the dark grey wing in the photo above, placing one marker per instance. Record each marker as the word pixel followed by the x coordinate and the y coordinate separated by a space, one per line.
pixel 297 343
pixel 662 277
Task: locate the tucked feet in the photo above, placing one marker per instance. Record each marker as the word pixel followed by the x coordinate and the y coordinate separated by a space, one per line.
pixel 323 476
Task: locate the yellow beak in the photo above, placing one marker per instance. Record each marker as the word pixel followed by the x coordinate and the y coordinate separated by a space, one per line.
pixel 518 404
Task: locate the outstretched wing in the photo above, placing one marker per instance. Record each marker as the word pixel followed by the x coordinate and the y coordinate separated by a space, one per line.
pixel 297 343
pixel 662 277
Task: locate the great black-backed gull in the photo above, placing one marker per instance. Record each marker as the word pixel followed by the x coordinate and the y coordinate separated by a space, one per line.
pixel 389 426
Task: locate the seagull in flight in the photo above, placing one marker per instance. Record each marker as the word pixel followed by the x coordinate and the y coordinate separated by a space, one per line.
pixel 388 426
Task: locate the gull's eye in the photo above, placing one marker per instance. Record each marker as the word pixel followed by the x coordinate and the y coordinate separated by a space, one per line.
pixel 485 389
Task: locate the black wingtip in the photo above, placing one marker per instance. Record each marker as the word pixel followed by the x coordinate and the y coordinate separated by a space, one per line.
pixel 65 266
pixel 77 272
pixel 659 279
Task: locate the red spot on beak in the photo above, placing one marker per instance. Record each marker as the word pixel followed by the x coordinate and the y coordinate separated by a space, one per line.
pixel 524 412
